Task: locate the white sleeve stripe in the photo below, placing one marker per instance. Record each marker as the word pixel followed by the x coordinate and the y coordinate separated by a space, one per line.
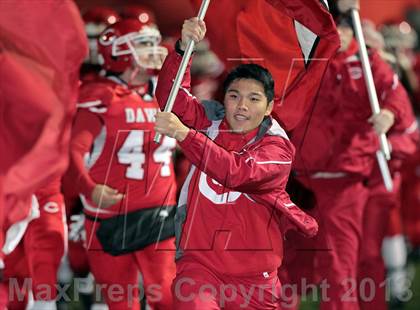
pixel 328 175
pixel 89 104
pixel 248 159
pixel 247 196
pixel 288 205
pixel 187 92
pixel 98 110
pixel 413 127
pixel 274 162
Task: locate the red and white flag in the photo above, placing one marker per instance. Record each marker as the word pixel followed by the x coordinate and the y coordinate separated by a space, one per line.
pixel 293 39
pixel 42 45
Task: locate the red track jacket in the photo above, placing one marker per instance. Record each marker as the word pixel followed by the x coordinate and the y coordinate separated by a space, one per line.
pixel 336 135
pixel 234 199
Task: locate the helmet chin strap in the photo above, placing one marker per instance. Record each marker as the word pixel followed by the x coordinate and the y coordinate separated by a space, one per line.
pixel 133 75
pixel 136 76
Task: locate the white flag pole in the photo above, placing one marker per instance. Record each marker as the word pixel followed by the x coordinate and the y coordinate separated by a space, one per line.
pixel 182 68
pixel 384 153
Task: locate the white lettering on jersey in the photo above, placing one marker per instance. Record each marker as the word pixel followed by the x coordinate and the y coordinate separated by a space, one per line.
pixel 140 116
pixel 129 115
pixel 132 115
pixel 150 113
pixel 211 194
pixel 132 154
pixel 163 155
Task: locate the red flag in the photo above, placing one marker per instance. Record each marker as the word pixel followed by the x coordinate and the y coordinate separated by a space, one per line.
pixel 42 44
pixel 293 39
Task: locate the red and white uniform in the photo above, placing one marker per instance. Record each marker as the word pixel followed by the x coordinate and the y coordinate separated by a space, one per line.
pixel 35 261
pixel 45 240
pixel 114 126
pixel 336 135
pixel 383 208
pixel 118 124
pixel 336 148
pixel 231 206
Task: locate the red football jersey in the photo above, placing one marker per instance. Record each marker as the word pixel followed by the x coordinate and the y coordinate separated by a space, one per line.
pixel 113 133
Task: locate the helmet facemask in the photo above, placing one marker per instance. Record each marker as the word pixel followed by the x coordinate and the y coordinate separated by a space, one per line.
pixel 143 46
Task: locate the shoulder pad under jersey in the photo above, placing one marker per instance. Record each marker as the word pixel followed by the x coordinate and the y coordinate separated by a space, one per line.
pixel 96 95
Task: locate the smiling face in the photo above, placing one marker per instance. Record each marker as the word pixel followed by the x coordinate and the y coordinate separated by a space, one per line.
pixel 246 105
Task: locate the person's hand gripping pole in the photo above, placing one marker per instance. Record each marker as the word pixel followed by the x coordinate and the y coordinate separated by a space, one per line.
pixel 384 153
pixel 183 66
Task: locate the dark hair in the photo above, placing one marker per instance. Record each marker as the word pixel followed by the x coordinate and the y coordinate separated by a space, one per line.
pixel 344 21
pixel 333 8
pixel 254 72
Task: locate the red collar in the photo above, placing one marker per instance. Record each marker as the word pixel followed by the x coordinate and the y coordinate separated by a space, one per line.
pixel 236 141
pixel 351 50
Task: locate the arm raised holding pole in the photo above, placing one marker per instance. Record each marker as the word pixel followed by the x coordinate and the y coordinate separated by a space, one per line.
pixel 188 49
pixel 382 119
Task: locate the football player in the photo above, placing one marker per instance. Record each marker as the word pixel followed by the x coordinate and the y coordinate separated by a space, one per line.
pixel 126 181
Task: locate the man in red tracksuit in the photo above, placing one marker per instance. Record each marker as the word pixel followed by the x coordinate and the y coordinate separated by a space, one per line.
pixel 403 138
pixel 229 242
pixel 336 146
pixel 126 181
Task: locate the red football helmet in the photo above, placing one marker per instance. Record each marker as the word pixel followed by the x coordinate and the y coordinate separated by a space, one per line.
pixel 96 20
pixel 140 12
pixel 130 41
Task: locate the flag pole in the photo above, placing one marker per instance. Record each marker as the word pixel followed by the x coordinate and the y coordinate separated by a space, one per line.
pixel 182 68
pixel 384 153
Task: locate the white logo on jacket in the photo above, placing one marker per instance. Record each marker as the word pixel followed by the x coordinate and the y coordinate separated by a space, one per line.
pixel 356 73
pixel 212 195
pixel 51 207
